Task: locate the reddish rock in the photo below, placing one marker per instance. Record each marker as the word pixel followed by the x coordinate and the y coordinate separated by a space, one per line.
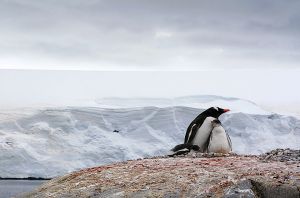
pixel 179 177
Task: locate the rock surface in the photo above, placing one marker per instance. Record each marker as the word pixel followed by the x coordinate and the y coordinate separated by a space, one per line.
pixel 193 175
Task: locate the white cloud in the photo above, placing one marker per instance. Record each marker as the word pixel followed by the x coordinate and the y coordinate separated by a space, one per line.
pixel 149 35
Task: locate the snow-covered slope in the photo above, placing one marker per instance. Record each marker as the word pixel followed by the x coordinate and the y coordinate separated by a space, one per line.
pixel 201 102
pixel 52 141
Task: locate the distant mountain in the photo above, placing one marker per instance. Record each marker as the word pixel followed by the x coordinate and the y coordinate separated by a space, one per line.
pixel 53 141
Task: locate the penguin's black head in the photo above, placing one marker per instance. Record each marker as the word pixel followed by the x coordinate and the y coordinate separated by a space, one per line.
pixel 216 123
pixel 215 111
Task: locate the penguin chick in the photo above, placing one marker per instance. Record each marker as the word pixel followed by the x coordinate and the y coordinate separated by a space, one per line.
pixel 219 140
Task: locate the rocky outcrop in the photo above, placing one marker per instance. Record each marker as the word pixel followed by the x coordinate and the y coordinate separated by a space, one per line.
pixel 282 155
pixel 193 175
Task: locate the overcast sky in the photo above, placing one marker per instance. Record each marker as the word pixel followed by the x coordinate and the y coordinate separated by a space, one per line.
pixel 149 34
pixel 243 48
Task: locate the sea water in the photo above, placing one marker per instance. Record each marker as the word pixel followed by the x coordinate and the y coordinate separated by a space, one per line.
pixel 11 188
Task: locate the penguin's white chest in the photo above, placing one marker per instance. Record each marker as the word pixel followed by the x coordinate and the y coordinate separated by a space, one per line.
pixel 203 133
pixel 219 141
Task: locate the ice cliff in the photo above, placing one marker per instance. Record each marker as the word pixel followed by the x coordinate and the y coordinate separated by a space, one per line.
pixel 48 142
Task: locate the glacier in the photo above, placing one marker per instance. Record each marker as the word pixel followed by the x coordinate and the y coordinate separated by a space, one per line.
pixel 51 141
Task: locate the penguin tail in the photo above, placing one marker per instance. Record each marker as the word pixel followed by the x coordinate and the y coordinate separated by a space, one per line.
pixel 180 147
pixel 183 149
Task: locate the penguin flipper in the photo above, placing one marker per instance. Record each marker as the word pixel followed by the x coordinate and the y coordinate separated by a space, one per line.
pixel 209 142
pixel 188 132
pixel 193 133
pixel 229 141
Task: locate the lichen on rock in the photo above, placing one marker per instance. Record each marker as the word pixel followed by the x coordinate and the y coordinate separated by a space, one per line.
pixel 193 175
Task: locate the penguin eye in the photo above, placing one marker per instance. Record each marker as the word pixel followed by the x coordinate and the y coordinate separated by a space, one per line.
pixel 216 108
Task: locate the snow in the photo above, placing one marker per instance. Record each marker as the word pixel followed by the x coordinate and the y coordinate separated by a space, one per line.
pixel 48 142
pixel 202 102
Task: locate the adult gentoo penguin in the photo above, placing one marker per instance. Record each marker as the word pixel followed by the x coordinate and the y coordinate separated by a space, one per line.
pixel 219 140
pixel 200 128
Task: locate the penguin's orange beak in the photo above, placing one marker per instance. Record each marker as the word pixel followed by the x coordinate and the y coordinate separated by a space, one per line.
pixel 226 110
